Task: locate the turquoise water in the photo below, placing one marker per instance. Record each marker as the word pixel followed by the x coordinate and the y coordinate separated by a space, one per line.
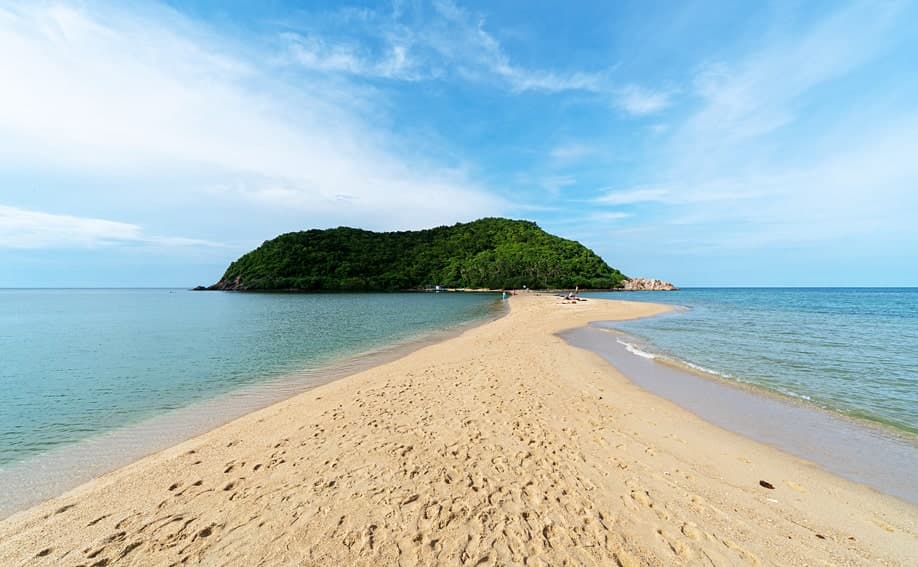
pixel 75 363
pixel 853 351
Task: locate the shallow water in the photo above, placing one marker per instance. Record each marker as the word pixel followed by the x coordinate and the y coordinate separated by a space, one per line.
pixel 849 350
pixel 78 363
pixel 47 474
pixel 875 456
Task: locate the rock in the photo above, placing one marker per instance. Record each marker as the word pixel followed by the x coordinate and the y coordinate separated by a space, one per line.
pixel 229 285
pixel 648 284
pixel 199 288
pixel 766 484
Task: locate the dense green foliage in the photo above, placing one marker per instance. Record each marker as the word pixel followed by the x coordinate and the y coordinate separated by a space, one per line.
pixel 488 253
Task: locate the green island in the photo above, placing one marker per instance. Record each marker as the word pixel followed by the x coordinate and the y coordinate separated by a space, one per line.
pixel 489 253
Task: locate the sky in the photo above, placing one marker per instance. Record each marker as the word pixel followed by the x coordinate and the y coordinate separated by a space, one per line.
pixel 705 143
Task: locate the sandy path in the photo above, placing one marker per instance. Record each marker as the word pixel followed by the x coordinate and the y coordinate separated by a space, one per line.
pixel 501 446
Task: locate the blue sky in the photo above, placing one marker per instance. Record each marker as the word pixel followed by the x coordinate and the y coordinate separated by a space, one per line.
pixel 708 143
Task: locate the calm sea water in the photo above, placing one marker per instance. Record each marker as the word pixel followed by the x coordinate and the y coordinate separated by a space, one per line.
pixel 76 363
pixel 854 351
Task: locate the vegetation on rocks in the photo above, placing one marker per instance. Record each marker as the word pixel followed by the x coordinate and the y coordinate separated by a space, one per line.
pixel 491 253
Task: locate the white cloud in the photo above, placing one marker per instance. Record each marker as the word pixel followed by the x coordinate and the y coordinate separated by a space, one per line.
pixel 447 42
pixel 761 93
pixel 468 44
pixel 571 152
pixel 317 54
pixel 634 195
pixel 742 172
pixel 22 228
pixel 554 184
pixel 606 216
pixel 639 101
pixel 138 94
pixel 681 192
pixel 864 191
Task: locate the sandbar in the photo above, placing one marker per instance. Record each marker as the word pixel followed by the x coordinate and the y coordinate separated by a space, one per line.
pixel 501 446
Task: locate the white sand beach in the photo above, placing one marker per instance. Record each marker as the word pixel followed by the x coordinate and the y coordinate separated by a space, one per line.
pixel 502 446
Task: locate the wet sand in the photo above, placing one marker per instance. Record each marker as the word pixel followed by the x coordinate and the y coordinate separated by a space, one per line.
pixel 503 445
pixel 859 451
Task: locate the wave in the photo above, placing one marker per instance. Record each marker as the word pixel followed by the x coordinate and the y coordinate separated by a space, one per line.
pixel 793 394
pixel 635 350
pixel 705 370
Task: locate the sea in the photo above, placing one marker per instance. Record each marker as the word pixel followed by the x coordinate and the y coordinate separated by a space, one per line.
pixel 852 351
pixel 91 379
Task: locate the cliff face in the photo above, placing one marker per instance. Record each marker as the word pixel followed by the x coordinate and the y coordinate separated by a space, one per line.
pixel 647 284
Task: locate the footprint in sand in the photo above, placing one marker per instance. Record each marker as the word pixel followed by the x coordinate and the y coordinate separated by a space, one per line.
pixel 883 525
pixel 691 531
pixel 642 497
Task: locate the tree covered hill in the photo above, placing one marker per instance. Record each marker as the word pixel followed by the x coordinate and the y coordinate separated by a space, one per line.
pixel 491 253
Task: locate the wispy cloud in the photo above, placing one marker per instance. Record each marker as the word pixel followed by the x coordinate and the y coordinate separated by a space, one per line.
pixel 764 90
pixel 555 183
pixel 571 152
pixel 317 54
pixel 728 169
pixel 118 92
pixel 476 52
pixel 446 42
pixel 26 229
pixel 450 43
pixel 607 216
pixel 861 191
pixel 640 101
pixel 630 196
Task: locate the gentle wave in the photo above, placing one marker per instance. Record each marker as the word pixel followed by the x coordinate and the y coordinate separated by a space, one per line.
pixel 849 350
pixel 638 351
pixel 706 370
pixel 846 445
pixel 635 350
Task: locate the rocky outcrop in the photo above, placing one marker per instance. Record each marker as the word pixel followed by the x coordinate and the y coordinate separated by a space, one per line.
pixel 225 285
pixel 647 284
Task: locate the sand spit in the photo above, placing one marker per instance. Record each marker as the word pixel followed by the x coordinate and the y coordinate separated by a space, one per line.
pixel 501 446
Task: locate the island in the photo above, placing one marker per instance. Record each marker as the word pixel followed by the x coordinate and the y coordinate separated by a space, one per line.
pixel 489 253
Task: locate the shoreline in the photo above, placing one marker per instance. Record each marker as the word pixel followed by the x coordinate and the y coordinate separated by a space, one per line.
pixel 872 424
pixel 43 476
pixel 497 445
pixel 668 359
pixel 859 372
pixel 859 450
pixel 675 362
